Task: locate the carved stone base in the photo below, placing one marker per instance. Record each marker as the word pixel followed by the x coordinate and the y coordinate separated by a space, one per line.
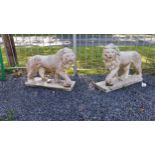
pixel 132 79
pixel 37 82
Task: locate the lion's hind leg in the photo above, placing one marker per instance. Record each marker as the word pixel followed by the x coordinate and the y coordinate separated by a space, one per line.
pixel 138 69
pixel 42 73
pixel 31 72
pixel 138 65
pixel 57 78
pixel 125 72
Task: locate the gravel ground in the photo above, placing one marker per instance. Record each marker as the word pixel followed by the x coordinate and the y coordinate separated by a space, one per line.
pixel 83 103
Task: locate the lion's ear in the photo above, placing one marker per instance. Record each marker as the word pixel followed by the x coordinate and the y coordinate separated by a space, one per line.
pixel 60 53
pixel 117 49
pixel 118 53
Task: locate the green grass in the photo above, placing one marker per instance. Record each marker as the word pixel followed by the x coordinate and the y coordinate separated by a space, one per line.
pixel 10 116
pixel 89 59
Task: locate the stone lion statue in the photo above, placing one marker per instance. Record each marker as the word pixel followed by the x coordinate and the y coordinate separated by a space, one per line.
pixel 119 62
pixel 55 65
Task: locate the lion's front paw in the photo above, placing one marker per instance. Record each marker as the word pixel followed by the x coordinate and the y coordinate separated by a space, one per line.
pixel 57 80
pixel 30 79
pixel 109 83
pixel 44 79
pixel 67 84
pixel 49 81
pixel 121 78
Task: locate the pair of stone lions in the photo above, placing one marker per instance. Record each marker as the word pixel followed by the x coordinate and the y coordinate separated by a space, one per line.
pixel 119 62
pixel 54 64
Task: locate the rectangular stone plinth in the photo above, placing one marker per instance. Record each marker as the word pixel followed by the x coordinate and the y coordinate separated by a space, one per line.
pixel 37 82
pixel 132 79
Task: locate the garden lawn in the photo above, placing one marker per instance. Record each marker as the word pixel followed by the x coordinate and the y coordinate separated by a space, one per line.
pixel 89 59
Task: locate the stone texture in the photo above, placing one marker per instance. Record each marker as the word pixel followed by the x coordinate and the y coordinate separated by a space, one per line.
pixel 37 82
pixel 132 79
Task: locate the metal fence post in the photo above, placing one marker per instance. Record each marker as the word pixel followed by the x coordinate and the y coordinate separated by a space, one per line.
pixel 74 50
pixel 10 49
pixel 2 69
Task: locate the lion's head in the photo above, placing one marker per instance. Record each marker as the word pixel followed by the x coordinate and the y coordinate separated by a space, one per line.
pixel 110 52
pixel 111 55
pixel 67 57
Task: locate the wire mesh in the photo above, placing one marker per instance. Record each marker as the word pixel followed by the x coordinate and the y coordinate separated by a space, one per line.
pixel 89 47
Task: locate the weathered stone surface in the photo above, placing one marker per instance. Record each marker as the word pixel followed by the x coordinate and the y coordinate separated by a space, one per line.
pixel 55 65
pixel 119 62
pixel 132 79
pixel 38 82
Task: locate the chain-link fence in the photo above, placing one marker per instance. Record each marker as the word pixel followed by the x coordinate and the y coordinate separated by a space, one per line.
pixel 88 47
